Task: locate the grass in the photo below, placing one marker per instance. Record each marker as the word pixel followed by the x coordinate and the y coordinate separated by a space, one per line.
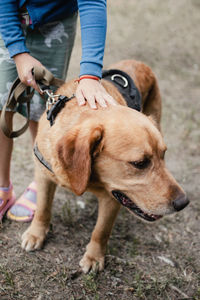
pixel 7 275
pixel 90 281
pixel 134 247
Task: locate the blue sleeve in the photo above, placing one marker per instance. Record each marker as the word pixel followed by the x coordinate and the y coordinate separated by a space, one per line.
pixel 93 19
pixel 10 27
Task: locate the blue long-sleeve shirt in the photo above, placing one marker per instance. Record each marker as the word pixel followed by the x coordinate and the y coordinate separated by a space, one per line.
pixel 92 19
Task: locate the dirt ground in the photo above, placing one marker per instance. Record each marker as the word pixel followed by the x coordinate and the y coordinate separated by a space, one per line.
pixel 159 261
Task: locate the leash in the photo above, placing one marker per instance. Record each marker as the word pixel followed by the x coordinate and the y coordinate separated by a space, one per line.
pixel 20 93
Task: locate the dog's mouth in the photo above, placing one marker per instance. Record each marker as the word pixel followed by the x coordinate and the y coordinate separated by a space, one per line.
pixel 125 201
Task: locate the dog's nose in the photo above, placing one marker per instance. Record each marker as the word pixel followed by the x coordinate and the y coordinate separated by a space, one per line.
pixel 180 202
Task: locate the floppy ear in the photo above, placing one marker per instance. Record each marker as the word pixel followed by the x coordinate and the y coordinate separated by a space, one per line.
pixel 76 151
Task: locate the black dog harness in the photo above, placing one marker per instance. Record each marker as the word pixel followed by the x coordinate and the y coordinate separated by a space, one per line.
pixel 56 108
pixel 126 87
pixel 120 79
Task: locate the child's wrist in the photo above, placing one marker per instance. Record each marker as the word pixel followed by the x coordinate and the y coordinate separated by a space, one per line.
pixel 88 77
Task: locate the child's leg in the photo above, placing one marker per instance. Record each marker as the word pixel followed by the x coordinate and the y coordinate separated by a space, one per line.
pixel 7 196
pixel 8 74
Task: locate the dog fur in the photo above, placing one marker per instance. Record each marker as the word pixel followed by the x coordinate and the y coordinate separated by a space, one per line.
pixel 97 150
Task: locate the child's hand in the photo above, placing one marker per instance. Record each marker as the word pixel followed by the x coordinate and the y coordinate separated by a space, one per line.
pixel 24 64
pixel 93 92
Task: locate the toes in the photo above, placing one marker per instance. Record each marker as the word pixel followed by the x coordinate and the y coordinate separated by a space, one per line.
pixel 101 264
pixel 87 263
pixel 31 242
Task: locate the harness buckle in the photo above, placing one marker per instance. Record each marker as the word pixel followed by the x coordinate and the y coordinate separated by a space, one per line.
pixel 121 77
pixel 52 98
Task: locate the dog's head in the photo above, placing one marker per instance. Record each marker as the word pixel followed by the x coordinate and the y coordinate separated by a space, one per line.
pixel 122 151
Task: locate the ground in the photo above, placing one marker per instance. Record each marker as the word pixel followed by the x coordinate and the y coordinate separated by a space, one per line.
pixel 159 261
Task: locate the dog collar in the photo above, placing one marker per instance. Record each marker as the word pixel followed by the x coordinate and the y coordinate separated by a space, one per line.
pixel 41 158
pixel 56 106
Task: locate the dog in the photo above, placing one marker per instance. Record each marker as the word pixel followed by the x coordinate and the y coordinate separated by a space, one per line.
pixel 117 153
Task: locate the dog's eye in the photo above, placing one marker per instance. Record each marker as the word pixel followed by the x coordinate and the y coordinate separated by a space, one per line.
pixel 143 164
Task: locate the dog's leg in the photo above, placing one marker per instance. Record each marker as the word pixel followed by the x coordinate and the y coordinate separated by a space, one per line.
pixel 34 236
pixel 96 249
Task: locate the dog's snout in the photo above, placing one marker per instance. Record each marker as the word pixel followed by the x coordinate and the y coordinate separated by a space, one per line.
pixel 180 202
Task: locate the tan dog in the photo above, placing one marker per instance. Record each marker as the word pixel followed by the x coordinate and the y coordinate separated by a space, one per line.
pixel 117 153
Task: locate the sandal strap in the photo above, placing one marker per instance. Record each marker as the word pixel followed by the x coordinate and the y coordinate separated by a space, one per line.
pixel 32 186
pixel 4 198
pixel 27 208
pixel 26 203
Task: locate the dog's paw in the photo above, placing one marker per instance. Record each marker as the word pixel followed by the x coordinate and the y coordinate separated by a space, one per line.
pixel 33 238
pixel 88 263
pixel 93 258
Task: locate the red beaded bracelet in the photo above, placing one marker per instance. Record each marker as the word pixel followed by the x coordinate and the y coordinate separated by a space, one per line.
pixel 87 77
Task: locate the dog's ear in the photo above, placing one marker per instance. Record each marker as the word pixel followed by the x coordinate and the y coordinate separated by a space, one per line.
pixel 76 152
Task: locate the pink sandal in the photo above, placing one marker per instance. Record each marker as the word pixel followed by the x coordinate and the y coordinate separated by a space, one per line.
pixel 7 199
pixel 24 208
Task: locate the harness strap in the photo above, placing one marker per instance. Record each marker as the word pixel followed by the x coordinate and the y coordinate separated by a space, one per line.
pixel 57 107
pixel 125 86
pixel 51 115
pixel 41 158
pixel 20 93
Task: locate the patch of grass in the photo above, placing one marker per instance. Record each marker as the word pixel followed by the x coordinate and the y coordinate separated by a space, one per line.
pixel 112 250
pixel 133 249
pixel 197 294
pixel 149 287
pixel 69 212
pixel 7 277
pixel 90 282
pixel 64 275
pixel 144 286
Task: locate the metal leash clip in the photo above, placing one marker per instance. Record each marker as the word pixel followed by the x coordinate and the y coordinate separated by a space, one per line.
pixel 52 98
pixel 46 91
